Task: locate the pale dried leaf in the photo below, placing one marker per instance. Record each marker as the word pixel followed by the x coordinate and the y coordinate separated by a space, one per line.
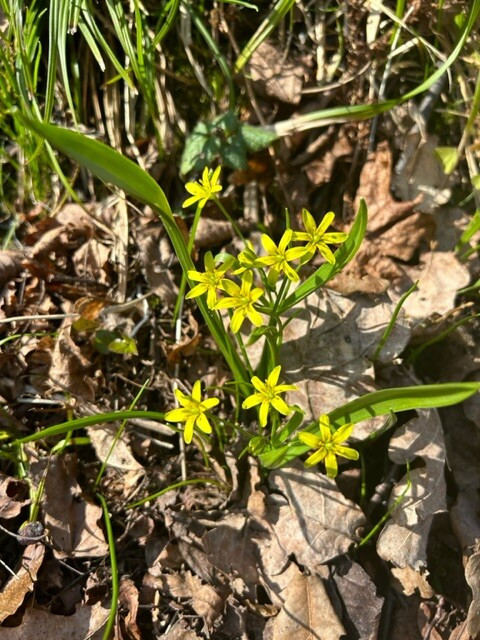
pixel 403 540
pixel 120 457
pixel 15 590
pixel 410 581
pixel 362 605
pixel 320 171
pixel 85 623
pixel 440 276
pixel 307 612
pixel 318 523
pixel 71 521
pixel 276 77
pixel 419 172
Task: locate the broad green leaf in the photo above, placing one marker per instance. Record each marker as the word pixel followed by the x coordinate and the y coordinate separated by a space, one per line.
pixel 343 256
pixel 476 181
pixel 378 403
pixel 104 162
pixel 226 140
pixel 257 138
pixel 448 157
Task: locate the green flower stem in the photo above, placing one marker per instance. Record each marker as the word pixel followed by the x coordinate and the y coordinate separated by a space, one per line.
pixel 191 243
pixel 235 226
pixel 114 569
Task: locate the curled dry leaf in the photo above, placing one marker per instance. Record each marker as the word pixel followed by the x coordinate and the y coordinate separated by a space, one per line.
pixel 71 521
pixel 15 590
pixel 403 540
pixel 318 523
pixel 128 600
pixel 13 497
pixel 86 622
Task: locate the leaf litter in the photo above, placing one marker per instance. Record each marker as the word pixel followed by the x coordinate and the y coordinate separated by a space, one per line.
pixel 270 556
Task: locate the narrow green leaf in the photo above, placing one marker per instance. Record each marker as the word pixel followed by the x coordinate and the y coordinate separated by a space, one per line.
pixel 90 421
pixel 375 404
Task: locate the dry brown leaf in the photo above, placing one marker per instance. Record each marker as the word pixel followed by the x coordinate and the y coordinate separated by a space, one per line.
pixel 72 522
pixel 318 523
pixel 403 540
pixel 205 600
pixel 70 369
pixel 15 590
pixel 230 548
pixel 155 256
pixel 307 613
pixel 274 76
pixel 10 266
pixel 212 233
pixel 320 171
pixel 13 497
pixel 363 607
pixel 328 347
pixel 374 188
pixel 38 624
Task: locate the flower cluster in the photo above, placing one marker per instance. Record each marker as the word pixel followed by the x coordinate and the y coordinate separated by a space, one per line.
pixel 244 297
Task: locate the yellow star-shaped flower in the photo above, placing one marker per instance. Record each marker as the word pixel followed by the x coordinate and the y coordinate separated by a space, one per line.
pixel 210 281
pixel 242 300
pixel 268 394
pixel 328 445
pixel 192 412
pixel 204 189
pixel 277 258
pixel 316 237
